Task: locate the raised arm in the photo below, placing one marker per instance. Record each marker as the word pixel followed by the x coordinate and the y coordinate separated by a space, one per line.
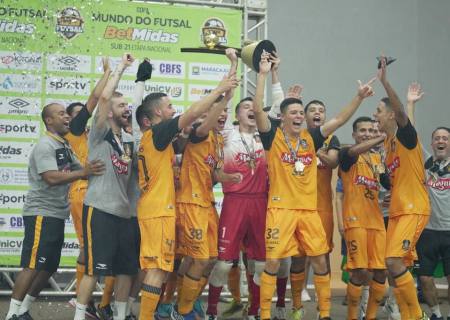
pixel 262 119
pixel 415 93
pixel 364 91
pixel 213 115
pixel 99 87
pixel 111 86
pixel 143 74
pixel 400 115
pixel 364 146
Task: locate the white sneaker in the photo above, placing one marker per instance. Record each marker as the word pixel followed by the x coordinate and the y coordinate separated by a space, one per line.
pixel 305 296
pixel 280 313
pixel 363 303
pixel 391 309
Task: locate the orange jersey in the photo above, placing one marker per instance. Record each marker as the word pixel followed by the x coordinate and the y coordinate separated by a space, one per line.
pixel 200 158
pixel 155 179
pixel 361 187
pixel 324 175
pixel 406 169
pixel 79 145
pixel 288 189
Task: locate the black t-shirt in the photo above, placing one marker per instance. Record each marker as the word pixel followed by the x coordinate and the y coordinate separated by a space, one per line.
pixel 78 124
pixel 267 137
pixel 164 132
pixel 334 143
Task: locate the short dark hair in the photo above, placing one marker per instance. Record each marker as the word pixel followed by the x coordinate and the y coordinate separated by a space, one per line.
pixel 149 104
pixel 287 102
pixel 314 102
pixel 359 120
pixel 439 128
pixel 387 102
pixel 72 106
pixel 46 111
pixel 267 109
pixel 236 109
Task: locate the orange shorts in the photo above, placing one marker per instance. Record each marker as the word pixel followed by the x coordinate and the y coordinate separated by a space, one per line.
pixel 291 232
pixel 76 199
pixel 328 226
pixel 197 231
pixel 365 248
pixel 403 232
pixel 157 243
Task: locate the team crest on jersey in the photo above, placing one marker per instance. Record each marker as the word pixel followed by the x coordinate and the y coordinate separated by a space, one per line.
pixel 304 144
pixel 306 158
pixel 406 244
pixel 371 184
pixel 210 160
pixel 245 157
pixel 120 165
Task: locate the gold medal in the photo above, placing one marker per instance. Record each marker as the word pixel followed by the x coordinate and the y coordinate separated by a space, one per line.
pixel 252 165
pixel 299 168
pixel 381 169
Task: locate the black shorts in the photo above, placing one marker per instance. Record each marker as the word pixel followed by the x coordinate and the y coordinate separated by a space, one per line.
pixel 109 244
pixel 137 237
pixel 432 247
pixel 43 242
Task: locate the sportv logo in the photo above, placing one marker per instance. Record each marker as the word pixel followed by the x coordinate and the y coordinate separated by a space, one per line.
pixel 24 128
pixel 75 84
pixel 16 199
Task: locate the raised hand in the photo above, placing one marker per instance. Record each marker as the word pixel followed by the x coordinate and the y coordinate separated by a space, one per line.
pixel 275 60
pixel 228 83
pixel 231 55
pixel 295 91
pixel 127 59
pixel 381 74
pixel 415 93
pixel 265 65
pixel 365 90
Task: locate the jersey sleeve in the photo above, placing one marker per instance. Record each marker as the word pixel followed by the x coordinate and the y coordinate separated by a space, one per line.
pixel 45 158
pixel 345 160
pixel 407 136
pixel 267 137
pixel 334 143
pixel 78 124
pixel 164 132
pixel 193 137
pixel 318 138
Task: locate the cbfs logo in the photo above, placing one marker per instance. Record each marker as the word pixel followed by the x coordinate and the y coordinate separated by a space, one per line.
pixel 69 23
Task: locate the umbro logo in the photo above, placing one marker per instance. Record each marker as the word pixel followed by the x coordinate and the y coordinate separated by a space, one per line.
pixel 18 103
pixel 101 266
pixel 42 259
pixel 69 60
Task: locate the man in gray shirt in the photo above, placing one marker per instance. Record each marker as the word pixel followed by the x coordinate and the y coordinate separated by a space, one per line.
pixel 434 243
pixel 107 228
pixel 52 167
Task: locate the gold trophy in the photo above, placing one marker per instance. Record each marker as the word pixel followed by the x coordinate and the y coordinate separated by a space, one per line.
pixel 212 33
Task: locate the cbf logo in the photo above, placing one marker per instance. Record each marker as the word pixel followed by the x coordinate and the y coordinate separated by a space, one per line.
pixel 69 23
pixel 216 27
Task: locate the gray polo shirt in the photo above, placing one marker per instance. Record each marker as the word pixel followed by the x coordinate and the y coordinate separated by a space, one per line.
pixel 108 192
pixel 42 199
pixel 438 184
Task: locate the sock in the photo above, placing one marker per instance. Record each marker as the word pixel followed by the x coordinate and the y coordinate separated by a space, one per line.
pixel 26 304
pixel 120 310
pixel 188 294
pixel 281 291
pixel 268 283
pixel 171 285
pixel 353 298
pixel 402 305
pixel 79 275
pixel 179 284
pixel 14 307
pixel 297 283
pixel 131 300
pixel 323 290
pixel 107 291
pixel 376 294
pixel 234 279
pixel 406 286
pixel 202 285
pixel 254 306
pixel 213 299
pixel 80 311
pixel 149 301
pixel 249 287
pixel 436 310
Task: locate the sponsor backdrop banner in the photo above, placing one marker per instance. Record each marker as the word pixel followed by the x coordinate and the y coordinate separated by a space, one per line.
pixel 51 51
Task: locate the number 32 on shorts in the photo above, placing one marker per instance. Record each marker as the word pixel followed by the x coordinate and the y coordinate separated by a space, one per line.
pixel 272 233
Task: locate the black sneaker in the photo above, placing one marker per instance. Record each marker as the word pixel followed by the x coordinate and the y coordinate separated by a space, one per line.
pixel 105 313
pixel 131 317
pixel 25 316
pixel 91 311
pixel 13 317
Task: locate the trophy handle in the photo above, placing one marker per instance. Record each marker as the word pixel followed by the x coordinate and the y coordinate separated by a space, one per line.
pixel 217 50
